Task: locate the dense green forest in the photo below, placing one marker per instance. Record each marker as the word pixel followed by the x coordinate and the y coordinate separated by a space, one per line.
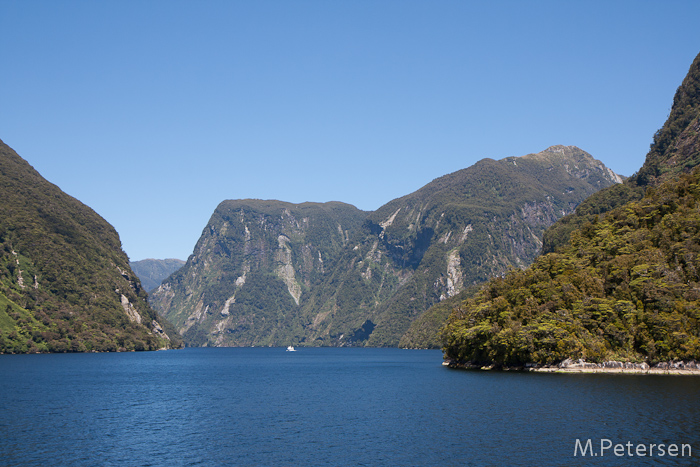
pixel 620 280
pixel 65 283
pixel 627 287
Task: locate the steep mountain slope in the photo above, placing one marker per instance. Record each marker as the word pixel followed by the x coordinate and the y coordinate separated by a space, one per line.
pixel 675 147
pixel 626 284
pixel 672 153
pixel 458 230
pixel 65 283
pixel 252 269
pixel 152 272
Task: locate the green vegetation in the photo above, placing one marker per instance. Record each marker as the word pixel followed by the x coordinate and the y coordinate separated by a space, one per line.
pixel 674 149
pixel 63 273
pixel 620 279
pixel 626 288
pixel 425 331
pixel 596 205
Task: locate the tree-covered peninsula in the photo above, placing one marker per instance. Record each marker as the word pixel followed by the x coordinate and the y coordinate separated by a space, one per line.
pixel 621 277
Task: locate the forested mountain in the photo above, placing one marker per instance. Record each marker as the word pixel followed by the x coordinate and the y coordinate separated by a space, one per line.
pixel 152 272
pixel 621 280
pixel 274 273
pixel 65 283
pixel 251 270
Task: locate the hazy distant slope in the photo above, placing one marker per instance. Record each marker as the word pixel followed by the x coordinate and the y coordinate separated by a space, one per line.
pixel 152 272
pixel 65 283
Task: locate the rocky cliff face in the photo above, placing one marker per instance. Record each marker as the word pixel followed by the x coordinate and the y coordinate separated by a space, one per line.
pixel 274 273
pixel 251 269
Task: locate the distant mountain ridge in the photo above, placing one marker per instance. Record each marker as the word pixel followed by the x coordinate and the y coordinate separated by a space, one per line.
pixel 274 273
pixel 65 283
pixel 152 271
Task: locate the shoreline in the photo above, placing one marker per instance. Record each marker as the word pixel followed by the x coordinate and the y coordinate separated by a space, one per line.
pixel 568 366
pixel 617 371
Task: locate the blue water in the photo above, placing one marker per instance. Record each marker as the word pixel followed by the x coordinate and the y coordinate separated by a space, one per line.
pixel 326 406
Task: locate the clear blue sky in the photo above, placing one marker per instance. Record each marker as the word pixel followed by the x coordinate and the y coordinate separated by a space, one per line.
pixel 153 112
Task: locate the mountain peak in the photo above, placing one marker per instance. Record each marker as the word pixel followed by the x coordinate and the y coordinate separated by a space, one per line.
pixel 561 149
pixel 559 153
pixel 574 160
pixel 619 282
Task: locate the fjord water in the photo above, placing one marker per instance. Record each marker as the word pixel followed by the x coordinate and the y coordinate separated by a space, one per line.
pixel 326 406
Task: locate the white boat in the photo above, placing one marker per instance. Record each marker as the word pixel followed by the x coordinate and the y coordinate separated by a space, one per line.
pixel 291 349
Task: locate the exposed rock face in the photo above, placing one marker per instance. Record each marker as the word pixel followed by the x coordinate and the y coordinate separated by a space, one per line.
pixel 454 274
pixel 610 365
pixel 285 269
pixel 130 311
pixel 158 330
pixel 247 278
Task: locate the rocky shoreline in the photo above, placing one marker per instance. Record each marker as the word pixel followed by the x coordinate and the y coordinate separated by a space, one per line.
pixel 581 366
